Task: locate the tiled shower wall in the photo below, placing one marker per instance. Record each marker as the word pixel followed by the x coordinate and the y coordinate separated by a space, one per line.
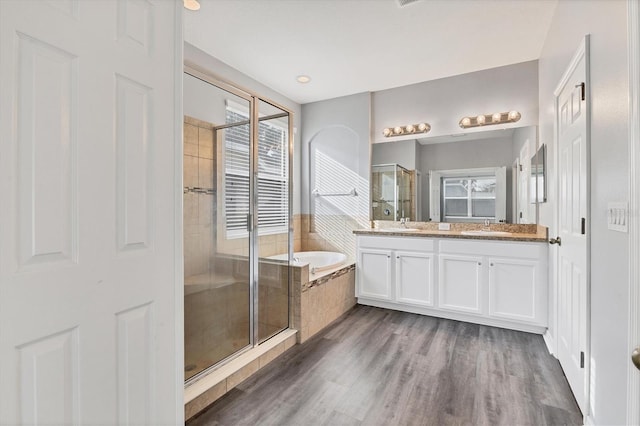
pixel 200 203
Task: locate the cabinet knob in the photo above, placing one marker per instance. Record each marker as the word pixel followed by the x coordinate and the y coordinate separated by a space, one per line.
pixel 491 264
pixel 397 257
pixel 479 263
pixel 388 256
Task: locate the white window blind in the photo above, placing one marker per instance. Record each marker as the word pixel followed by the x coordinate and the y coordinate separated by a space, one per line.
pixel 273 175
pixel 469 197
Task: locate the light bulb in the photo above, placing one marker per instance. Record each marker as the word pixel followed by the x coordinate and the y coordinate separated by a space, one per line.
pixel 397 130
pixel 496 117
pixel 480 120
pixel 514 115
pixel 191 4
pixel 387 132
pixel 465 122
pixel 409 128
pixel 424 127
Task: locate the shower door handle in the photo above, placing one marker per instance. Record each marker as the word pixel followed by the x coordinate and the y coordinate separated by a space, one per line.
pixel 250 222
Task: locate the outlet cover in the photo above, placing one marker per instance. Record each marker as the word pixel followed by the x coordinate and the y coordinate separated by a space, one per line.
pixel 618 217
pixel 444 226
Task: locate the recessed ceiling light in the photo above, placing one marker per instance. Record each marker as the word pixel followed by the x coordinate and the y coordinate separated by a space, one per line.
pixel 303 79
pixel 191 4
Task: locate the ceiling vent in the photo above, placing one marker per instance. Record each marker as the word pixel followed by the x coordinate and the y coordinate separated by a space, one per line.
pixel 403 3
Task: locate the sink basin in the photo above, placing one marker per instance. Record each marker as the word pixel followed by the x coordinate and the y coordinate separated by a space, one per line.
pixel 486 233
pixel 398 229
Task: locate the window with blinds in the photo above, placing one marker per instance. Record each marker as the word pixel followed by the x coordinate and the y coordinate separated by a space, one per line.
pixel 469 197
pixel 273 175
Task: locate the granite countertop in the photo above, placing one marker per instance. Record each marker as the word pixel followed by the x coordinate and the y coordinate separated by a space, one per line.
pixel 527 233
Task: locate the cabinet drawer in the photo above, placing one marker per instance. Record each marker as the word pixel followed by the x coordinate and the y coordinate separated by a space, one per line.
pixel 495 248
pixel 397 243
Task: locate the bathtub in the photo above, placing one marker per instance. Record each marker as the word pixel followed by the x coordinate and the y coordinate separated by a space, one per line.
pixel 318 260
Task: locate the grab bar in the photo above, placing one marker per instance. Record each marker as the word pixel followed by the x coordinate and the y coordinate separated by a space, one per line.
pixel 351 193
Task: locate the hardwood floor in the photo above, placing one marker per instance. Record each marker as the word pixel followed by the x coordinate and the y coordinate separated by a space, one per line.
pixel 380 367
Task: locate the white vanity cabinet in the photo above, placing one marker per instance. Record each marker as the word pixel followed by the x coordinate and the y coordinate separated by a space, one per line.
pixel 500 283
pixel 461 283
pixel 375 273
pixel 399 270
pixel 414 277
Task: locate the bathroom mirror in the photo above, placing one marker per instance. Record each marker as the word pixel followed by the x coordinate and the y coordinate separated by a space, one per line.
pixel 538 175
pixel 489 174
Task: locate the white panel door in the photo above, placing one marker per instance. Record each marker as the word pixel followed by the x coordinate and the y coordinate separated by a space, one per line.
pixel 524 176
pixel 374 274
pixel 414 278
pixel 572 212
pixel 460 283
pixel 88 247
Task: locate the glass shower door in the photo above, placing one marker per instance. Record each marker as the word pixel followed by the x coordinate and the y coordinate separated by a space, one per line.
pixel 272 177
pixel 217 293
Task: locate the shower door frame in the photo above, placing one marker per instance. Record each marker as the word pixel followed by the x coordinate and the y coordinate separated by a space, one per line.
pixel 253 99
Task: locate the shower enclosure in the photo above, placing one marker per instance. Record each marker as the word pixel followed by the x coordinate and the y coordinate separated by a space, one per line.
pixel 236 215
pixel 391 192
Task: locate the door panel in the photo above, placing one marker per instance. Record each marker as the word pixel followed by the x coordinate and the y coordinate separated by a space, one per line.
pixel 414 278
pixel 512 289
pixel 572 263
pixel 374 274
pixel 87 230
pixel 460 283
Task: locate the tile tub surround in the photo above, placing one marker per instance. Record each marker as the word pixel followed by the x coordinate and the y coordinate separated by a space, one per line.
pixel 520 232
pixel 317 301
pixel 327 233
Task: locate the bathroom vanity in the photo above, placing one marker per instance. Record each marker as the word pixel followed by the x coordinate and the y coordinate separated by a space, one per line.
pixel 497 280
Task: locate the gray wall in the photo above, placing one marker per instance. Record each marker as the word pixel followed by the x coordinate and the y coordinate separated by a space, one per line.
pixel 210 65
pixel 443 102
pixel 336 122
pixel 403 153
pixel 606 21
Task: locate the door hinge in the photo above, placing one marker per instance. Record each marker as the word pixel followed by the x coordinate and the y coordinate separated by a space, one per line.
pixel 520 165
pixel 581 359
pixel 249 222
pixel 520 215
pixel 583 90
pixel 583 226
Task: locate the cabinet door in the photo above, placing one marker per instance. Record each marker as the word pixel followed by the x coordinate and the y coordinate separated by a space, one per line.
pixel 513 289
pixel 414 278
pixel 374 274
pixel 460 283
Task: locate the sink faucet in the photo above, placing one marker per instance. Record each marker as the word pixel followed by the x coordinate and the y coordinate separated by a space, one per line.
pixel 403 222
pixel 487 222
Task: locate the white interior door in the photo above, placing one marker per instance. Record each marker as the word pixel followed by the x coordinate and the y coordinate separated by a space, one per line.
pixel 523 184
pixel 88 244
pixel 573 273
pixel 435 180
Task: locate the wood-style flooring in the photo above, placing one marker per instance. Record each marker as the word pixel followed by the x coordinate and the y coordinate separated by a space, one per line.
pixel 381 367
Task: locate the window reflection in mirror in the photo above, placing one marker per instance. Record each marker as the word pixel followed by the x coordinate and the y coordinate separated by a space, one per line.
pixel 463 195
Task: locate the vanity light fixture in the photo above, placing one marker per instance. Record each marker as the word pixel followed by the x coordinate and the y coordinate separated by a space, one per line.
pixel 489 119
pixel 191 4
pixel 406 130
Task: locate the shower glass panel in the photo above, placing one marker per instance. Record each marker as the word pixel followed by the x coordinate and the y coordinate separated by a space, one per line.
pixel 391 189
pixel 217 295
pixel 273 220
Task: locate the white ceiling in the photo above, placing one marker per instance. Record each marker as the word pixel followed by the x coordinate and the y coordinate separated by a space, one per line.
pixel 354 46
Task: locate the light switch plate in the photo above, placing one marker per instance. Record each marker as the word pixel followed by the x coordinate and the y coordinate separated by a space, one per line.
pixel 618 217
pixel 444 226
